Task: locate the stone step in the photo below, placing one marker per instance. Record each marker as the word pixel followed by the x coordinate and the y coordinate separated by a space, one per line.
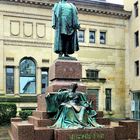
pixel 22 131
pixel 40 122
pixel 103 121
pixel 131 128
pixel 120 132
pixel 100 114
pixel 43 133
pixel 40 114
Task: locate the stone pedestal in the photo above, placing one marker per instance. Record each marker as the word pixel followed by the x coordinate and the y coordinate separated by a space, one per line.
pixel 63 73
pixel 37 128
pixel 85 134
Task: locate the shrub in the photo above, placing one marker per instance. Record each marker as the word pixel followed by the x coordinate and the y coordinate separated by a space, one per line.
pixel 7 111
pixel 25 113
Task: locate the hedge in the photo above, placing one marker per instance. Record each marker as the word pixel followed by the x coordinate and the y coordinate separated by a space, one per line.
pixel 20 99
pixel 7 111
pixel 25 113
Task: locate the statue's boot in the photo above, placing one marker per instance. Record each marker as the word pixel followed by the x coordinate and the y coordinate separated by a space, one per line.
pixel 66 55
pixel 60 54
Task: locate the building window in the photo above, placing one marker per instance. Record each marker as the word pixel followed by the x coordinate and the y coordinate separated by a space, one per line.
pixel 102 37
pixel 137 68
pixel 136 10
pixel 137 38
pixel 44 79
pixel 92 74
pixel 135 105
pixel 92 36
pixel 108 99
pixel 9 80
pixel 27 76
pixel 81 36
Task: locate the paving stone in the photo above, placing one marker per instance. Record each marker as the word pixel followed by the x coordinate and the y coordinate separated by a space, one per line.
pixel 4 133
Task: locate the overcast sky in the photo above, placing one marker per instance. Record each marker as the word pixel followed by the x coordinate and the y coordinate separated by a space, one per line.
pixel 115 1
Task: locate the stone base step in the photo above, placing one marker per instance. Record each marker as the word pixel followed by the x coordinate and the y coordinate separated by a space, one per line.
pixel 100 114
pixel 40 114
pixel 22 131
pixel 131 128
pixel 103 121
pixel 25 131
pixel 40 122
pixel 43 133
pixel 85 134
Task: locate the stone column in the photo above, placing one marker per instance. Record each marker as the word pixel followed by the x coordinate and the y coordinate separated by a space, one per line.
pixel 2 70
pixel 38 80
pixel 16 81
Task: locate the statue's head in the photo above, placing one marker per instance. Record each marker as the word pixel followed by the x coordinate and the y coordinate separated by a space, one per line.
pixel 74 86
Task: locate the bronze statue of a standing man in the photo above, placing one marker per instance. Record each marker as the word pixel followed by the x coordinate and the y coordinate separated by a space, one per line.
pixel 65 22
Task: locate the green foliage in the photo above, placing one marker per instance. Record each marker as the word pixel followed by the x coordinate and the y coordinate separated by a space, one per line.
pixel 25 113
pixel 7 111
pixel 13 99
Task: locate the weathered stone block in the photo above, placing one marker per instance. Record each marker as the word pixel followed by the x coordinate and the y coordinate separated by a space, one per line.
pixel 100 114
pixel 65 69
pixel 84 134
pixel 25 131
pixel 40 122
pixel 56 85
pixel 103 121
pixel 131 128
pixel 40 114
pixel 44 133
pixel 120 132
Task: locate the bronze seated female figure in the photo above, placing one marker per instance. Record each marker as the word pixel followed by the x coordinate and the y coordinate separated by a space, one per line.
pixel 72 109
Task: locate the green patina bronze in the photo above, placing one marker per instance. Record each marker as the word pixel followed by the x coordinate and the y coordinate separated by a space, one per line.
pixel 65 22
pixel 72 109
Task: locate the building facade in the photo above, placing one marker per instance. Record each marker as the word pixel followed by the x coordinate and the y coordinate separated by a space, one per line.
pixel 26 42
pixel 132 60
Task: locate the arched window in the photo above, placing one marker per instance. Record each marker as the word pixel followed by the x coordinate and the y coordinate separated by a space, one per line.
pixel 27 76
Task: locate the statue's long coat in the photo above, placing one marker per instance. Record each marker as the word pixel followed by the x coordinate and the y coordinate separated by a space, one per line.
pixel 56 23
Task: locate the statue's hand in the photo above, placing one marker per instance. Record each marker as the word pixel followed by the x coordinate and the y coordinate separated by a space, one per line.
pixel 78 27
pixel 53 26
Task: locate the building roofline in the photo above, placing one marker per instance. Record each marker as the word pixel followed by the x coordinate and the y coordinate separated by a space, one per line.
pixel 92 7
